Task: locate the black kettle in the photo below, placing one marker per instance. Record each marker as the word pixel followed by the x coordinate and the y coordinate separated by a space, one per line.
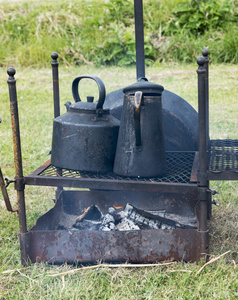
pixel 85 137
pixel 140 147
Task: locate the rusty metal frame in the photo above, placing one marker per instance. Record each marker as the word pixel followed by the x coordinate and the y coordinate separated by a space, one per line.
pixel 19 183
pixel 163 244
pixel 146 246
pixel 110 184
pixel 59 246
pixel 203 183
pixel 149 246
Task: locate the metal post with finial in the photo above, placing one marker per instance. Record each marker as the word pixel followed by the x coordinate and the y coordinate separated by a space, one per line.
pixel 55 76
pixel 56 97
pixel 202 118
pixel 205 54
pixel 19 179
pixel 202 171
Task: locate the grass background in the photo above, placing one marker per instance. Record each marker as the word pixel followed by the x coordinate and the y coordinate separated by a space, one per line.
pixel 102 32
pixel 176 281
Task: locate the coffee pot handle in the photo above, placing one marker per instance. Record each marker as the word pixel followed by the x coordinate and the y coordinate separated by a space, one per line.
pixel 101 88
pixel 137 105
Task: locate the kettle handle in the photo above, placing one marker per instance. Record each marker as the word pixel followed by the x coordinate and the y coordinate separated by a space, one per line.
pixel 101 88
pixel 137 105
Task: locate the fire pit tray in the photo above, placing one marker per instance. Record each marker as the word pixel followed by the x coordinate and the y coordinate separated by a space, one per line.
pixel 45 242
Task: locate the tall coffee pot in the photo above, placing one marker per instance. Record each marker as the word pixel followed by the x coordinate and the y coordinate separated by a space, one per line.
pixel 140 147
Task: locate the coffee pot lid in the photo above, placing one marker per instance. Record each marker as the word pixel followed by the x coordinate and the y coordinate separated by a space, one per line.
pixel 144 86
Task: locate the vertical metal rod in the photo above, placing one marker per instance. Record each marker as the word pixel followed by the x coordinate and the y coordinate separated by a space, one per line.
pixel 55 76
pixel 139 36
pixel 202 180
pixel 202 117
pixel 20 186
pixel 205 54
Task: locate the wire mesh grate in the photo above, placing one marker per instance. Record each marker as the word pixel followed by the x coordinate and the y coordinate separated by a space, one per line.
pixel 179 167
pixel 223 155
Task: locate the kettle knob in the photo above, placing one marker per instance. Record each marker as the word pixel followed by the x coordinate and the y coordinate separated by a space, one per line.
pixel 90 98
pixel 101 88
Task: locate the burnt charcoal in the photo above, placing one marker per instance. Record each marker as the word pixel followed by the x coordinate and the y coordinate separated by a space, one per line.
pixel 190 221
pixel 131 218
pixel 87 225
pixel 166 223
pixel 160 213
pixel 89 220
pixel 92 213
pixel 126 224
pixel 145 219
pixel 112 211
pixel 66 221
pixel 108 223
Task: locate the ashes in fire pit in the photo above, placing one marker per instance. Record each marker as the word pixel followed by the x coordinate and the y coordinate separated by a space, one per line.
pixel 130 218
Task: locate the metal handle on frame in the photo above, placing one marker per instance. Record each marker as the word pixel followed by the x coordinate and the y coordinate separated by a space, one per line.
pixel 5 194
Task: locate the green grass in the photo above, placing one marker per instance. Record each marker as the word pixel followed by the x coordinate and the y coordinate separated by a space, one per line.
pixel 102 32
pixel 177 281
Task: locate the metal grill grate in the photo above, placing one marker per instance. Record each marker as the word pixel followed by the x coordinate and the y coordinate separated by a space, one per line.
pixel 223 155
pixel 179 167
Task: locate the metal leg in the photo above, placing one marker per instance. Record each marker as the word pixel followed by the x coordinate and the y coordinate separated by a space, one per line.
pixel 205 54
pixel 55 77
pixel 203 183
pixel 19 183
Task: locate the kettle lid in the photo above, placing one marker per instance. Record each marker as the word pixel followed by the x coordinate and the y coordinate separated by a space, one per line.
pixel 144 86
pixel 87 107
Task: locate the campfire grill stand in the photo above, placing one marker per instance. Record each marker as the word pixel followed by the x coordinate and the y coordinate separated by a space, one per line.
pixel 215 160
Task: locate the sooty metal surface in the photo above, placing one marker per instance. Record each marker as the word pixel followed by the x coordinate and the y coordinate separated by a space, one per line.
pixel 179 167
pixel 153 245
pixel 47 242
pixel 223 160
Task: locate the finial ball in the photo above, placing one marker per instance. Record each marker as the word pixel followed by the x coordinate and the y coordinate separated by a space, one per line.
pixel 205 52
pixel 11 71
pixel 54 55
pixel 201 61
